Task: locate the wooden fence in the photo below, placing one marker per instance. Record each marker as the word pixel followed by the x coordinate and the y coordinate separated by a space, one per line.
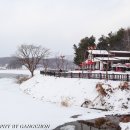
pixel 119 77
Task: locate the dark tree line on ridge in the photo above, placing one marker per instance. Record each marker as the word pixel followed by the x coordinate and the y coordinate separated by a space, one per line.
pixel 119 40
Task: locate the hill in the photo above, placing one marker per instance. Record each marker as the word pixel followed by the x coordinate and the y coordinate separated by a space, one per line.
pixel 12 63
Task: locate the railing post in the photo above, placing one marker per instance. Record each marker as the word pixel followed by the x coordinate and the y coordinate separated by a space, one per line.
pixel 59 74
pixel 100 75
pixel 82 76
pixel 79 75
pixel 71 75
pixel 113 76
pixel 127 77
pixel 88 76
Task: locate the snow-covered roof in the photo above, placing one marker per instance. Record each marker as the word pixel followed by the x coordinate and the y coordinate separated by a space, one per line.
pixel 111 58
pixel 104 52
pixel 122 58
pixel 104 58
pixel 119 65
pixel 119 51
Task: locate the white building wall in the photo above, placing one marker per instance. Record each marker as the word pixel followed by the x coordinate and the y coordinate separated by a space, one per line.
pixel 101 65
pixel 97 65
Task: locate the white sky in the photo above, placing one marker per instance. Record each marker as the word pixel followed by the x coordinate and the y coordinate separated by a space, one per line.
pixel 58 24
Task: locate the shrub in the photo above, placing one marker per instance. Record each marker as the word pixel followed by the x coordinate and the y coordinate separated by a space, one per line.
pixel 125 118
pixel 100 89
pixel 20 80
pixel 65 102
pixel 100 121
pixel 124 85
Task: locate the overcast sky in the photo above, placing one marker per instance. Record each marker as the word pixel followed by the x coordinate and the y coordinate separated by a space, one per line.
pixel 58 24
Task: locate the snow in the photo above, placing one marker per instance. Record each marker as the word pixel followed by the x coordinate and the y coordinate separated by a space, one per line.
pixel 74 92
pixel 19 108
pixel 115 100
pixel 55 90
pixel 119 51
pixel 98 52
pixel 39 100
pixel 122 58
pixel 105 58
pixel 125 126
pixel 106 52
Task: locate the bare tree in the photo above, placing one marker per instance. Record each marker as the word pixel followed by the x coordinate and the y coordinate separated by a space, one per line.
pixel 58 62
pixel 66 65
pixel 45 64
pixel 30 56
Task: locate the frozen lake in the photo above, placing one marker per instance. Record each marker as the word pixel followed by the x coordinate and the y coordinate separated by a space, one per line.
pixel 9 75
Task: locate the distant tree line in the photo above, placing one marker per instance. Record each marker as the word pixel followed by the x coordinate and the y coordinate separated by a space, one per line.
pixel 34 56
pixel 119 40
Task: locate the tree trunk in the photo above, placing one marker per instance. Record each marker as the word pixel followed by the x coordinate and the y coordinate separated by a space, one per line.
pixel 32 73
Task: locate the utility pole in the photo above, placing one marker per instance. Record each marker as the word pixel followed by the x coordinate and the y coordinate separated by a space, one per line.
pixel 62 61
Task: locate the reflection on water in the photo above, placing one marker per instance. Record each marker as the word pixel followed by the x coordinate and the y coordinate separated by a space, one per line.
pixel 105 123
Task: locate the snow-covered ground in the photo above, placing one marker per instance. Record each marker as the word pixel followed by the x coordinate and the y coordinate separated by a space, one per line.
pixel 56 90
pixel 125 126
pixel 18 108
pixel 41 99
pixel 74 92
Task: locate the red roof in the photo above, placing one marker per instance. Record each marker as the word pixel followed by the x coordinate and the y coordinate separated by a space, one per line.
pixel 88 62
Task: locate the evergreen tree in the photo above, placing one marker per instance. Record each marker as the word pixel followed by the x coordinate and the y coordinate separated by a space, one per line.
pixel 102 43
pixel 81 52
pixel 115 40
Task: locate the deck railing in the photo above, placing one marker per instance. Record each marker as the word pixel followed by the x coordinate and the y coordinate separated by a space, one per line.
pixel 89 75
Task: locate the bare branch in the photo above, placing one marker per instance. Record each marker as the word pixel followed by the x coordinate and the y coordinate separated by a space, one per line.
pixel 30 56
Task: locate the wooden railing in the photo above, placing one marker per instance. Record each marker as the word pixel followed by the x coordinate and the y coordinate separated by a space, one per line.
pixel 119 77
